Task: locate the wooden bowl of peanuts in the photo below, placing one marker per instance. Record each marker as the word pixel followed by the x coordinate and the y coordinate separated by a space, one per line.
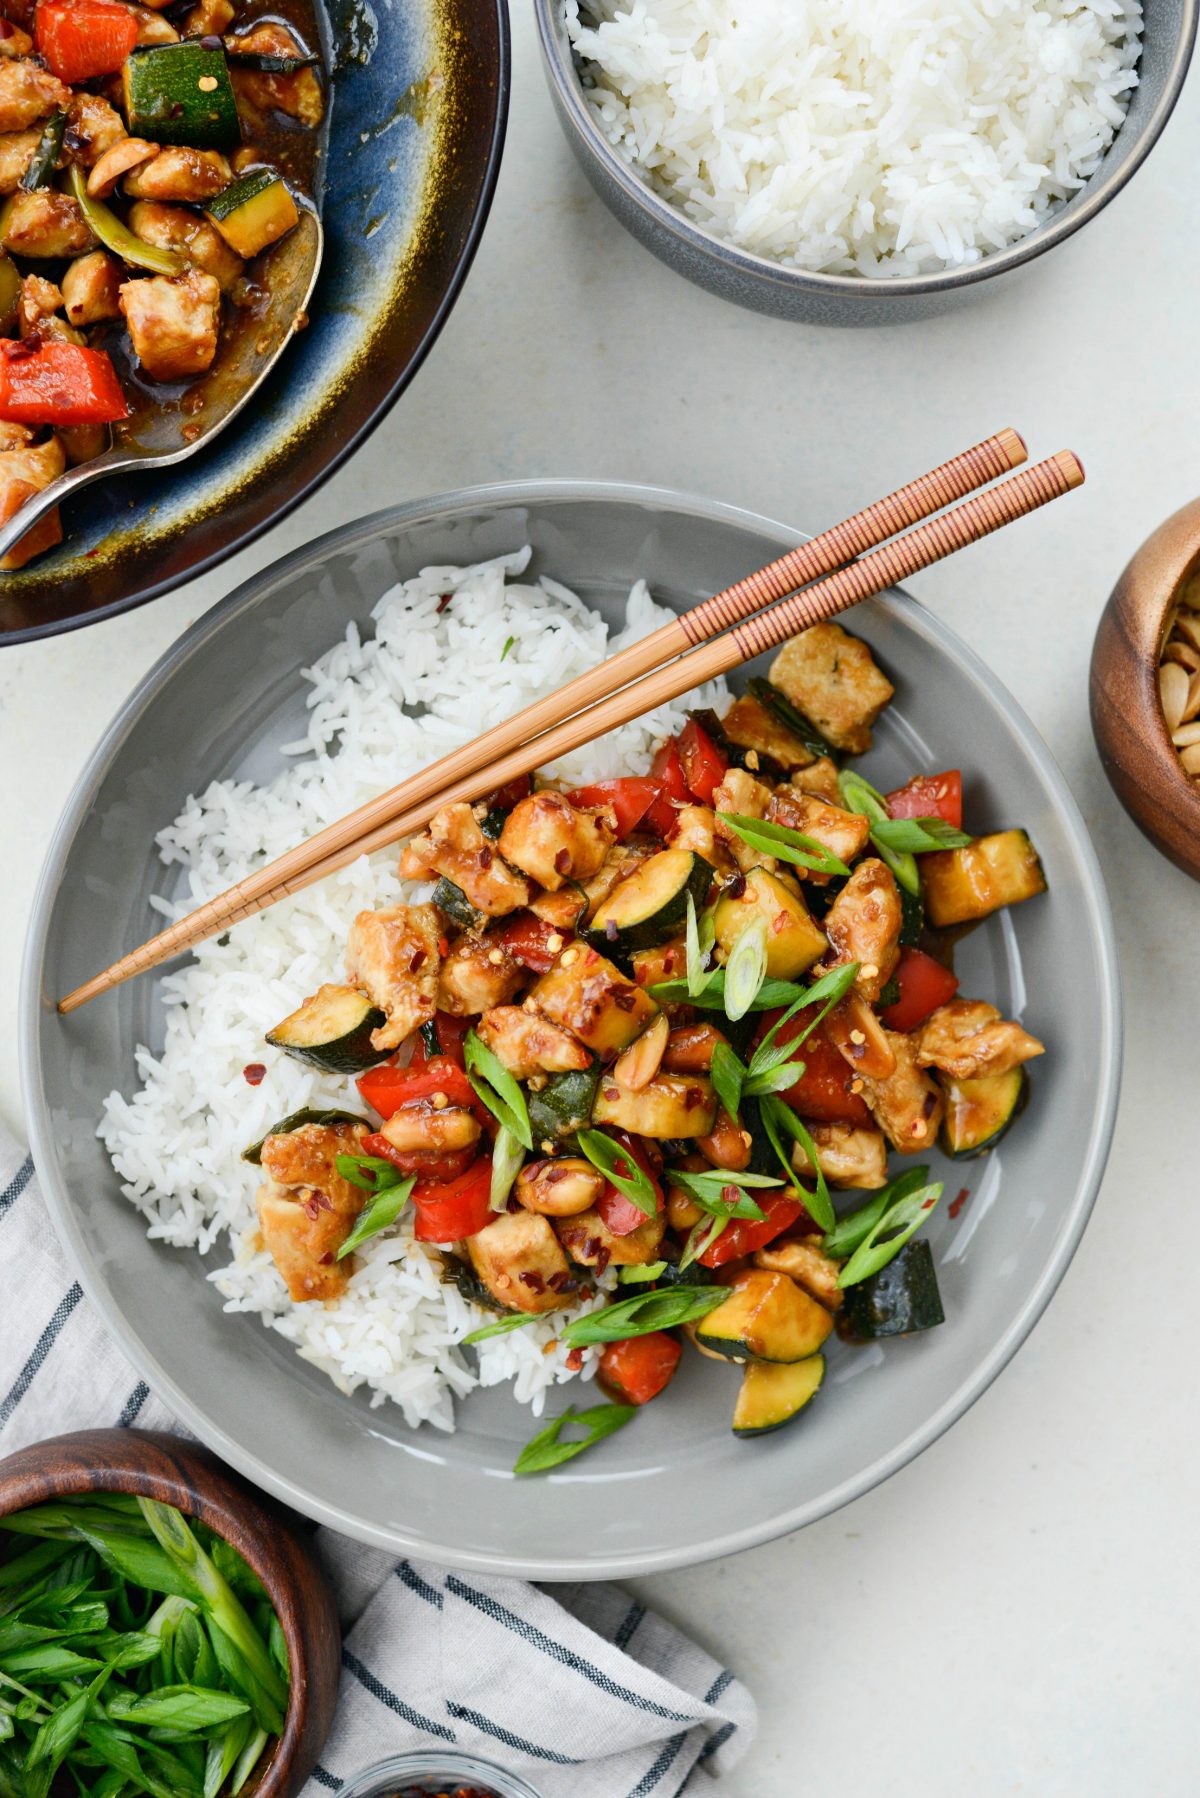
pixel 1145 689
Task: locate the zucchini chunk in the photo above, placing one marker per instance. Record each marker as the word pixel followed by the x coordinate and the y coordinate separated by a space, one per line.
pixel 332 1031
pixel 794 941
pixel 979 1111
pixel 253 212
pixel 899 1300
pixel 585 994
pixel 670 1105
pixel 451 899
pixel 649 906
pixel 296 1120
pixel 761 740
pixel 563 1106
pixel 964 884
pixel 912 918
pixel 181 94
pixel 765 1318
pixel 772 1396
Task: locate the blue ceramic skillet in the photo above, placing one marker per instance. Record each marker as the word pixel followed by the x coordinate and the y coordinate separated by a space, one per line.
pixel 418 105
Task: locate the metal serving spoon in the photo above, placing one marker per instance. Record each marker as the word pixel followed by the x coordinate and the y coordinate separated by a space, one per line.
pixel 160 432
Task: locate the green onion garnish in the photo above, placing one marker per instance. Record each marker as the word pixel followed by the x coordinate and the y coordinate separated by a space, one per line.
pixel 497 1089
pixel 546 1450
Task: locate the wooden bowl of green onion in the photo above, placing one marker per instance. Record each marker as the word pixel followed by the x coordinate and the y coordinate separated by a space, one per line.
pixel 163 1627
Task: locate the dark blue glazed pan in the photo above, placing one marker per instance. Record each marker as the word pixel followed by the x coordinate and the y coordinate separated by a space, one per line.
pixel 419 101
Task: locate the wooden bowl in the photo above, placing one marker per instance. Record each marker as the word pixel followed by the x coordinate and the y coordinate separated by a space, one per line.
pixel 153 1465
pixel 1127 718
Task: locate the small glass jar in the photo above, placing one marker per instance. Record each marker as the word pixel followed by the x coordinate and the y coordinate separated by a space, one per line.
pixel 437 1770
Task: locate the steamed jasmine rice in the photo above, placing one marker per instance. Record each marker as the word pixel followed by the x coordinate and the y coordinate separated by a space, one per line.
pixel 453 651
pixel 868 137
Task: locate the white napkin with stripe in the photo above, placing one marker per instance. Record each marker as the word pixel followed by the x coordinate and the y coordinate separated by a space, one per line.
pixel 577 1688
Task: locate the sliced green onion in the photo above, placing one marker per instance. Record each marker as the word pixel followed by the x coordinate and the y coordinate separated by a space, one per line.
pixel 711 1191
pixel 919 836
pixel 771 993
pixel 858 795
pixel 640 1276
pixel 826 992
pixel 371 1173
pixel 382 1211
pixel 507 1156
pixel 701 1238
pixel 845 1236
pixel 779 1119
pixel 645 1313
pixel 618 1165
pixel 502 1327
pixel 546 1450
pixel 728 1075
pixel 118 237
pixel 905 1219
pixel 746 970
pixel 786 844
pixel 495 1086
pixel 701 934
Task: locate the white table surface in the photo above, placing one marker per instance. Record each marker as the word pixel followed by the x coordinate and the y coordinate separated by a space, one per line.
pixel 1011 1614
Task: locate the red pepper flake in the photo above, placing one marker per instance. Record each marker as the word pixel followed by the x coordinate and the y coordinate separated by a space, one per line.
pixel 485 858
pixel 562 861
pixel 443 945
pixel 561 1281
pixel 624 997
pixel 610 929
pixel 590 959
pixel 534 1282
pixel 591 1247
pixel 730 1194
pixel 418 960
pixel 780 922
pixel 443 602
pixel 254 1073
pixel 612 1094
pixel 737 886
pixel 575 1360
pixel 604 1256
pixel 960 1201
pixel 327 1259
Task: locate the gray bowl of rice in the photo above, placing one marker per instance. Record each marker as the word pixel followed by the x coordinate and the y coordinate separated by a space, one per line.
pixel 842 162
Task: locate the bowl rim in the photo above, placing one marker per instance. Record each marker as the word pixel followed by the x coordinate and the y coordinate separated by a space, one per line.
pixel 942 640
pixel 156 588
pixel 1094 196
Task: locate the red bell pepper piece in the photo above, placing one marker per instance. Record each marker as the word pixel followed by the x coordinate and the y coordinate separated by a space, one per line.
pixel 81 39
pixel 924 985
pixel 742 1235
pixel 629 799
pixel 637 1370
pixel 929 796
pixel 433 1165
pixel 527 937
pixel 619 1214
pixel 704 765
pixel 666 771
pixel 387 1088
pixel 58 384
pixel 451 1032
pixel 450 1211
pixel 823 1092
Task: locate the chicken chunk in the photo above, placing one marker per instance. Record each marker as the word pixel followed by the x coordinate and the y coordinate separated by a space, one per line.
pixel 44 224
pixel 15 42
pixel 832 678
pixel 16 153
pixel 559 1188
pixel 848 1155
pixel 173 321
pixel 520 1261
pixel 179 173
pixel 14 436
pixel 298 95
pixel 863 924
pixel 37 306
pixel 190 236
pixel 394 955
pixel 968 1037
pixel 209 19
pixel 24 470
pixel 152 28
pixel 589 1241
pixel 528 1044
pixel 752 726
pixel 908 1105
pixel 844 834
pixel 93 127
pixel 306 1210
pixel 695 828
pixel 820 780
pixel 562 910
pixel 454 846
pixel 82 443
pixel 91 289
pixel 553 841
pixel 802 1259
pixel 477 974
pixel 740 793
pixel 28 93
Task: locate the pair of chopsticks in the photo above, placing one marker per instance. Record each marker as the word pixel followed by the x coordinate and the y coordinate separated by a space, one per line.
pixel 815 581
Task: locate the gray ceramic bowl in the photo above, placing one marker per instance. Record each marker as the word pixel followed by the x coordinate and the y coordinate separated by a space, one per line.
pixel 764 286
pixel 207 711
pixel 434 1772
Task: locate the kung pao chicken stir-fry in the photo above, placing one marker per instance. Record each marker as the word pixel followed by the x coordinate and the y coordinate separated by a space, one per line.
pixel 645 1026
pixel 143 153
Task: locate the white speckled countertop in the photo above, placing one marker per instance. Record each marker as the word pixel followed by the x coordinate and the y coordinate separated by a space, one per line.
pixel 1009 1615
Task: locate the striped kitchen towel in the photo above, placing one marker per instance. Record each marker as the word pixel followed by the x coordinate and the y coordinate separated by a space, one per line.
pixel 578 1688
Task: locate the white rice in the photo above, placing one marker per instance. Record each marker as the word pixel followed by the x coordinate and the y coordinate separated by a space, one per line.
pixel 432 676
pixel 869 137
